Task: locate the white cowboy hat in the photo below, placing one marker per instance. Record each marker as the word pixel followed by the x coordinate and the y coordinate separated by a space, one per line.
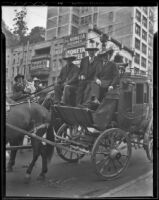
pixel 36 79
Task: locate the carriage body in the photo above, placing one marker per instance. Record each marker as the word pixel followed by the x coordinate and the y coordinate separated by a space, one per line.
pixel 132 128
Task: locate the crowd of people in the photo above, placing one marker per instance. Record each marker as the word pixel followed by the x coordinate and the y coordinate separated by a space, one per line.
pixel 82 86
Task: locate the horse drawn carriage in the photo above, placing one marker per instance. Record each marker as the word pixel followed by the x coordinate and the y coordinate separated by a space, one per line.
pixel 110 149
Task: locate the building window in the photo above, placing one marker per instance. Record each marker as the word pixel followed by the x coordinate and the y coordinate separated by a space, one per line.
pixel 144 35
pixel 111 16
pixel 52 12
pixel 137 58
pixel 63 31
pixel 85 10
pixel 149 53
pixel 76 10
pixel 63 10
pixel 146 93
pixel 151 16
pixel 150 28
pixel 137 29
pixel 138 15
pixel 145 9
pixel 64 19
pixel 52 23
pixel 144 21
pixel 86 20
pixel 143 62
pixel 95 18
pixel 75 19
pixel 110 29
pixel 136 70
pixel 137 43
pixel 74 31
pixel 139 93
pixel 150 40
pixel 144 48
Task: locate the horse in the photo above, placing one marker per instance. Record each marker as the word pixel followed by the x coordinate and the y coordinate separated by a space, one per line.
pixel 27 115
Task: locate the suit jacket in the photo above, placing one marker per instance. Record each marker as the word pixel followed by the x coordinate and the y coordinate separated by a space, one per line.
pixel 108 73
pixel 87 69
pixel 68 74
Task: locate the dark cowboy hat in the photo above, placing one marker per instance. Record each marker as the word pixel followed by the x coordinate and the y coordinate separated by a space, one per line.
pixel 18 76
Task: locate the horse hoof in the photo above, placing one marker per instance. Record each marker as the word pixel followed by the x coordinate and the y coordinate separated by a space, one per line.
pixel 9 169
pixel 27 179
pixel 41 178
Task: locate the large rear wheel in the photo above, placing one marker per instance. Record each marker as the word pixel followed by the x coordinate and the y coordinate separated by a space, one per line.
pixel 111 153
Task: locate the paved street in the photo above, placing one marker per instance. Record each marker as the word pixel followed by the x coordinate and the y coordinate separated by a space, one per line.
pixel 78 180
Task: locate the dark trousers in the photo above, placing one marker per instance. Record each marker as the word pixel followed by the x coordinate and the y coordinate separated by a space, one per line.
pixel 58 92
pixel 68 92
pixel 80 92
pixel 63 93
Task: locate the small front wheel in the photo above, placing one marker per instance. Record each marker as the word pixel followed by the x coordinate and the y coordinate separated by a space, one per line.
pixel 111 153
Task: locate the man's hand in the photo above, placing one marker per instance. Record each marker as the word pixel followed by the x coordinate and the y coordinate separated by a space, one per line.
pixel 110 88
pixel 98 81
pixel 82 77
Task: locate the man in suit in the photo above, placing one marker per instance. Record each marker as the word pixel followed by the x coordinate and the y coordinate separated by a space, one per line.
pixel 106 77
pixel 86 74
pixel 67 81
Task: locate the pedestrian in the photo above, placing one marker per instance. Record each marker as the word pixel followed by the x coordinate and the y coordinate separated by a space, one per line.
pixel 86 73
pixel 67 81
pixel 18 88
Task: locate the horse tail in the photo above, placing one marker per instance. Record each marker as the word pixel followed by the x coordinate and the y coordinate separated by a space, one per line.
pixel 50 148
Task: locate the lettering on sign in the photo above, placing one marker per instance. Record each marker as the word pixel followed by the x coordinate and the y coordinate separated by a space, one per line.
pixel 40 64
pixel 74 40
pixel 79 52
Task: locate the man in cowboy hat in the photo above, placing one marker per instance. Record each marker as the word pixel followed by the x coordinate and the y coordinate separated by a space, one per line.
pixel 106 77
pixel 18 87
pixel 66 81
pixel 87 71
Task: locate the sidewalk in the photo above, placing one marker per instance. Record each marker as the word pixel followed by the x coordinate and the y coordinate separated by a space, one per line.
pixel 142 186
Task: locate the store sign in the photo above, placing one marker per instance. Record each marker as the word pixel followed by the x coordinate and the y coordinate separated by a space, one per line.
pixel 40 64
pixel 75 40
pixel 79 52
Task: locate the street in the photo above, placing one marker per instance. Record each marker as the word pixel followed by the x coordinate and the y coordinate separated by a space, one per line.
pixel 75 180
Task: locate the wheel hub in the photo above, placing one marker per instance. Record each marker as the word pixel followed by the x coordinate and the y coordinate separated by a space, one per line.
pixel 115 154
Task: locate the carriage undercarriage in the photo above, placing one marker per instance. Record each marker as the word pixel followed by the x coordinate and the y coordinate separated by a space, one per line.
pixel 110 150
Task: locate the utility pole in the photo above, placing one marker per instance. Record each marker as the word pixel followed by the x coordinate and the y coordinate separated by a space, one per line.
pixel 27 66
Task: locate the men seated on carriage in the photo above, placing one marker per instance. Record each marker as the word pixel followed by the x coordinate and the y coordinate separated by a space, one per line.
pixel 19 87
pixel 106 78
pixel 37 84
pixel 86 74
pixel 67 81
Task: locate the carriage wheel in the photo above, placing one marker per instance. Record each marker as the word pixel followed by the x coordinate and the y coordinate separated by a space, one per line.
pixel 64 131
pixel 149 146
pixel 111 153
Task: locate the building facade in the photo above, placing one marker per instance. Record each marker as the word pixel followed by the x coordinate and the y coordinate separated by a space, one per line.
pixel 132 26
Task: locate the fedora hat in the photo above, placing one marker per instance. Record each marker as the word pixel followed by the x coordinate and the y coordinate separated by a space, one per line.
pixel 18 76
pixel 68 56
pixel 36 79
pixel 105 51
pixel 92 46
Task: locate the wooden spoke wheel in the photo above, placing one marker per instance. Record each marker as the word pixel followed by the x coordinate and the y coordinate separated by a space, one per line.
pixel 71 133
pixel 111 153
pixel 149 144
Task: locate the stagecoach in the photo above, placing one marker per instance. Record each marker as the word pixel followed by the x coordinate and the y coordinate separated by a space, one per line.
pixel 130 127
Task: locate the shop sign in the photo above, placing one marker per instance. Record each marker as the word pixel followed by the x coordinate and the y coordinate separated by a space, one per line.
pixel 40 64
pixel 75 40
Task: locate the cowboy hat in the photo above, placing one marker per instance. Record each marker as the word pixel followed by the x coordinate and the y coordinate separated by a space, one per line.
pixel 36 79
pixel 18 76
pixel 91 47
pixel 106 51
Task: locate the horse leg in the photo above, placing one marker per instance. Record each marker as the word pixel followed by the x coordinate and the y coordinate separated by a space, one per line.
pixel 30 168
pixel 11 161
pixel 44 163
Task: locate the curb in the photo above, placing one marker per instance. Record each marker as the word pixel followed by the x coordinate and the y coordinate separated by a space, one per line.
pixel 113 191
